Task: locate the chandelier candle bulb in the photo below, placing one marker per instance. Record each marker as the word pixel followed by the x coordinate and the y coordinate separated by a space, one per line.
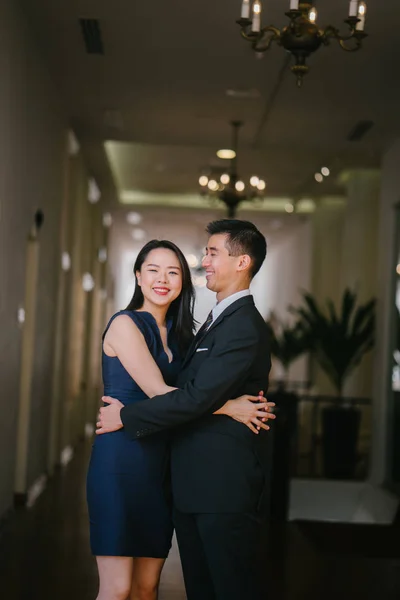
pixel 312 15
pixel 256 24
pixel 362 11
pixel 353 10
pixel 261 185
pixel 225 178
pixel 294 4
pixel 245 14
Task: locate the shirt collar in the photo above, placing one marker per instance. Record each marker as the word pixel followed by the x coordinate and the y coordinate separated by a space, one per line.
pixel 223 305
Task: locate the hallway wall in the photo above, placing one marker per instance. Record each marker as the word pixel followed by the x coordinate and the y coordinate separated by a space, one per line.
pixel 33 171
pixel 32 145
pixel 288 272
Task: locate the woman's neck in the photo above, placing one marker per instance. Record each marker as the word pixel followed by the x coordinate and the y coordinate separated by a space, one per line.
pixel 158 312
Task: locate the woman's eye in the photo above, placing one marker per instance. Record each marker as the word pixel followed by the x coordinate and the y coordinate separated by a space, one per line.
pixel 173 273
pixel 152 271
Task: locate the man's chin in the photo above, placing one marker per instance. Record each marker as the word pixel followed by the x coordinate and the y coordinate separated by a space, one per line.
pixel 210 286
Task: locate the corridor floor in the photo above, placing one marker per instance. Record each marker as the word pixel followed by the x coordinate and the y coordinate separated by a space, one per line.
pixel 44 554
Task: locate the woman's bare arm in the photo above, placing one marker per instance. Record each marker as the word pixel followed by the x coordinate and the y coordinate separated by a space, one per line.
pixel 125 340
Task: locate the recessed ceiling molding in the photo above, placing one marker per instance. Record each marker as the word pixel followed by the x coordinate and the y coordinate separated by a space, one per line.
pixel 332 202
pixel 269 204
pixel 305 205
pixel 346 175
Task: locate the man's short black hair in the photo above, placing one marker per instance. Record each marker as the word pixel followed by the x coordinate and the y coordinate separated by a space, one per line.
pixel 243 238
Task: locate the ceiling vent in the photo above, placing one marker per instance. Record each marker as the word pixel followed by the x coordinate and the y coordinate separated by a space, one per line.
pixel 92 36
pixel 359 131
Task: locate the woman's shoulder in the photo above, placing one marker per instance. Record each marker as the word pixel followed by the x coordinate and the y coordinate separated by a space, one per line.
pixel 138 317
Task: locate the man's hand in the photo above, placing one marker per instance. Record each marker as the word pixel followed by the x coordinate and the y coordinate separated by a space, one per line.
pixel 109 418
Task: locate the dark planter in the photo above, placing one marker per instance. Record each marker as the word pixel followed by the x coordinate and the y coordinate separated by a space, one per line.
pixel 340 428
pixel 284 429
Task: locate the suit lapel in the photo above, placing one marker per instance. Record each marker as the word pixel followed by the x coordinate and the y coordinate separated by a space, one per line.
pixel 227 312
pixel 191 349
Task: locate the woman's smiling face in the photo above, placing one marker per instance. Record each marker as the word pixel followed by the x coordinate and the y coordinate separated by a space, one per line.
pixel 160 277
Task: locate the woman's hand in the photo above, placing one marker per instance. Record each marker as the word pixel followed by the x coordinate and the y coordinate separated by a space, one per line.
pixel 253 411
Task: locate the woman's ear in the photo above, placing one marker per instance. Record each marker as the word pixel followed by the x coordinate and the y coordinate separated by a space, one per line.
pixel 138 278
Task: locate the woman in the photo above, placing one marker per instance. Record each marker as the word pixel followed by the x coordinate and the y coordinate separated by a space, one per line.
pixel 130 521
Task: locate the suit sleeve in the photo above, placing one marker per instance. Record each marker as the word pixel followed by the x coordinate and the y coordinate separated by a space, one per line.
pixel 221 372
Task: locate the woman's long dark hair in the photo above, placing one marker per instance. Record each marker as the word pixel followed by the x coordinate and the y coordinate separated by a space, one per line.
pixel 181 309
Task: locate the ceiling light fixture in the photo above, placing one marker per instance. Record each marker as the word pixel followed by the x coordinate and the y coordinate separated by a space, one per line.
pixel 302 36
pixel 192 260
pixel 107 220
pixel 138 234
pixel 226 154
pixel 232 190
pixel 94 193
pixel 65 261
pixel 318 177
pixel 102 254
pixel 133 218
pixel 87 282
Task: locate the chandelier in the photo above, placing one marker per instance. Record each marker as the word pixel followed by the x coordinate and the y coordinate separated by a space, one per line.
pixel 231 189
pixel 302 36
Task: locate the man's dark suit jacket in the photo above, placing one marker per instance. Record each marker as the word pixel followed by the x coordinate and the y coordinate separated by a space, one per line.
pixel 218 465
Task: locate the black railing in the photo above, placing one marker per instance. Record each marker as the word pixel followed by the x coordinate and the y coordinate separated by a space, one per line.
pixel 304 413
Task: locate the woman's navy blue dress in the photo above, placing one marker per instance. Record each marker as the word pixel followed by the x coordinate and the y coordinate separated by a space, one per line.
pixel 129 511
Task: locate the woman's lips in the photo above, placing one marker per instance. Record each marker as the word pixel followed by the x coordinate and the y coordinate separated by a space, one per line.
pixel 161 291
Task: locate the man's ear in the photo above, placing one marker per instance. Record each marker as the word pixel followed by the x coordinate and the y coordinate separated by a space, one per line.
pixel 244 262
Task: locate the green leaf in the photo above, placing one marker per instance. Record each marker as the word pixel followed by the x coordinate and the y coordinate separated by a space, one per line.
pixel 338 341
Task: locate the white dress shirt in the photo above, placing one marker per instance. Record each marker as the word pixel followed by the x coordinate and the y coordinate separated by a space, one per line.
pixel 223 305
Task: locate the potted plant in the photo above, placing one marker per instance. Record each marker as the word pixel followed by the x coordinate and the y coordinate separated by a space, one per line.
pixel 339 341
pixel 288 342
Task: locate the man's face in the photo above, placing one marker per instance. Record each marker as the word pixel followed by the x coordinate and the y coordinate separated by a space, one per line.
pixel 221 268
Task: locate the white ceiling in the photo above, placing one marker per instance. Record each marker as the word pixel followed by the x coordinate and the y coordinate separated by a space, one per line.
pixel 160 90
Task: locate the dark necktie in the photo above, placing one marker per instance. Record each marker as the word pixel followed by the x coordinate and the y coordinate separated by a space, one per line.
pixel 204 328
pixel 206 324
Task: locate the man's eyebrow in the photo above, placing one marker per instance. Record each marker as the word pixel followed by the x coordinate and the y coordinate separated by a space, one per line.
pixel 212 248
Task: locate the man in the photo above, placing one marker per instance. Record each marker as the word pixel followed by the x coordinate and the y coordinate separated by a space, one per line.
pixel 219 468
